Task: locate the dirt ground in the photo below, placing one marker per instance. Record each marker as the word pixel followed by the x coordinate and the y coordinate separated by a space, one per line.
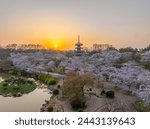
pixel 95 102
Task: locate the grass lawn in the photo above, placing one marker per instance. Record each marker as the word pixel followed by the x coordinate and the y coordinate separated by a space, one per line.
pixel 20 88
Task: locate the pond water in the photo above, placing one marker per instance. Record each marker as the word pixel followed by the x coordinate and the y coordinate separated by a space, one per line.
pixel 31 102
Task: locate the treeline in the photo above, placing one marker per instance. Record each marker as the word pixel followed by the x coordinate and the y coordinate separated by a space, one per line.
pixel 128 49
pixel 134 50
pixel 24 46
pixel 145 49
pixel 102 47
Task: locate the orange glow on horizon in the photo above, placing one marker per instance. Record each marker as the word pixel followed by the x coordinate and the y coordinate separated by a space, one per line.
pixel 59 42
pixel 55 44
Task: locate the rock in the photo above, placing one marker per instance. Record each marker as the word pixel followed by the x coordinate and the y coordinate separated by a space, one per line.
pixel 19 94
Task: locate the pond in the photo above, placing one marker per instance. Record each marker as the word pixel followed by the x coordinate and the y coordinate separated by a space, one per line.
pixel 31 102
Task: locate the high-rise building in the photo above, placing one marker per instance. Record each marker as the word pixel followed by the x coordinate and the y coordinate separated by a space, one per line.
pixel 78 47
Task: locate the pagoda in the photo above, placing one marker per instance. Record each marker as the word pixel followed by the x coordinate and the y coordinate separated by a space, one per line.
pixel 78 47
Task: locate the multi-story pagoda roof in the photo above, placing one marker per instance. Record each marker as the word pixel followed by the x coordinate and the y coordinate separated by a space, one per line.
pixel 78 48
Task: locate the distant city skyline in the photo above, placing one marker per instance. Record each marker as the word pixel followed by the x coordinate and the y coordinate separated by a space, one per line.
pixel 57 23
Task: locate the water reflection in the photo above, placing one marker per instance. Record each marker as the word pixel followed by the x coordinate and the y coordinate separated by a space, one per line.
pixel 31 102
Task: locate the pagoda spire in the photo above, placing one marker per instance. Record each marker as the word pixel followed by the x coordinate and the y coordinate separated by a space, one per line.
pixel 78 38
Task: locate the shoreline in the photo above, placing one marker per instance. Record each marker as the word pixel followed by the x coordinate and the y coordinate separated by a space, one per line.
pixel 28 103
pixel 39 86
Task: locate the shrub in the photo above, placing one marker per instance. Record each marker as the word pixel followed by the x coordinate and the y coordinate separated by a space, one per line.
pixel 58 86
pixel 117 65
pixel 136 58
pixel 16 88
pixel 146 65
pixel 77 104
pixel 21 81
pixel 103 92
pixel 47 79
pixel 120 61
pixel 4 88
pixel 142 107
pixel 24 73
pixel 9 80
pixel 55 92
pixel 30 82
pixel 110 94
pixel 90 89
pixel 5 84
pixel 50 109
pixel 34 75
pixel 52 81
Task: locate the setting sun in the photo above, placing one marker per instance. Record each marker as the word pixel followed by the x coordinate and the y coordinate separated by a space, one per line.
pixel 55 43
pixel 55 46
pixel 58 42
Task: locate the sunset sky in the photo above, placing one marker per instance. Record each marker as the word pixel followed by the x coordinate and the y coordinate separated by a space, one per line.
pixel 57 23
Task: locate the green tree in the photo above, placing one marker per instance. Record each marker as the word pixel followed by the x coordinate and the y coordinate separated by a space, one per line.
pixel 128 49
